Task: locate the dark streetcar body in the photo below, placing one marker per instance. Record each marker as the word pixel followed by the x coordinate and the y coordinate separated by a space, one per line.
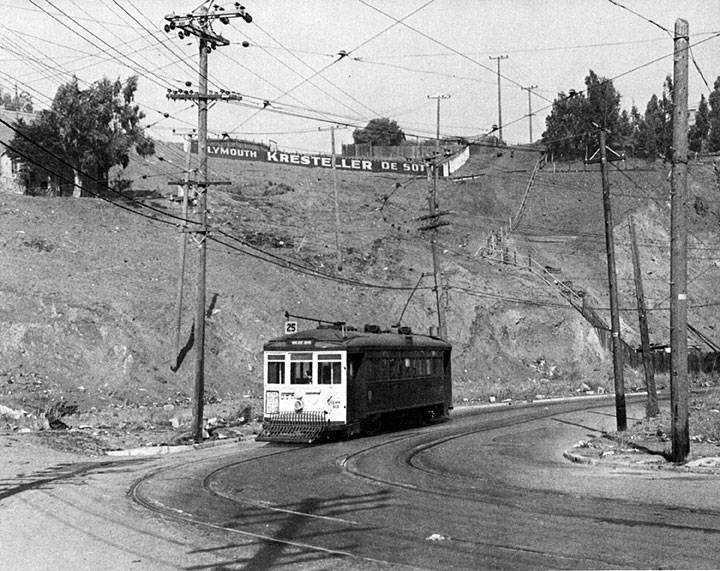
pixel 335 380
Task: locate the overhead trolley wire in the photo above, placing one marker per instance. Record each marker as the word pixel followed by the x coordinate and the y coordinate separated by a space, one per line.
pixel 653 22
pixel 446 46
pixel 162 82
pixel 341 55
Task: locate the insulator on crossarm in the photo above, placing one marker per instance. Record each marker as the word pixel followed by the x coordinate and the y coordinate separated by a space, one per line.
pixel 181 35
pixel 247 17
pixel 245 44
pixel 167 28
pixel 225 20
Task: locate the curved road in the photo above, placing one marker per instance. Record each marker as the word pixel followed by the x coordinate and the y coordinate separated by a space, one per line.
pixel 483 491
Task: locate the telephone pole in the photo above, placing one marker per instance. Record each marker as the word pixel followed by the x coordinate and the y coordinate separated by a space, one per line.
pixel 339 261
pixel 620 409
pixel 183 247
pixel 434 222
pixel 651 407
pixel 529 89
pixel 678 249
pixel 499 59
pixel 199 23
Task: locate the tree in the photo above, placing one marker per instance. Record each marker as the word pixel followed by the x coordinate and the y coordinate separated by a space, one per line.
pixel 381 131
pixel 698 133
pixel 665 133
pixel 603 107
pixel 19 102
pixel 653 137
pixel 714 118
pixel 565 130
pixel 90 131
pixel 647 135
pixel 98 128
pixel 575 118
pixel 38 151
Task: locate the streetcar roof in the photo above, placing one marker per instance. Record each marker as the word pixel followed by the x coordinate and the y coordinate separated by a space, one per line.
pixel 336 338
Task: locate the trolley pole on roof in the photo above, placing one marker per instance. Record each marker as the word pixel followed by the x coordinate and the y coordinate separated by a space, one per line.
pixel 199 23
pixel 679 421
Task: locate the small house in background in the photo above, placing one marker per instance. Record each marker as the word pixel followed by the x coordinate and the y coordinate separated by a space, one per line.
pixel 9 182
pixel 9 169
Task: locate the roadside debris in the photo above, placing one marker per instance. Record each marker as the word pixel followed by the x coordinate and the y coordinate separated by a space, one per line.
pixel 437 537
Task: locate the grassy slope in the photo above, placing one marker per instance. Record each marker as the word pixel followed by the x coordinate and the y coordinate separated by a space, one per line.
pixel 89 290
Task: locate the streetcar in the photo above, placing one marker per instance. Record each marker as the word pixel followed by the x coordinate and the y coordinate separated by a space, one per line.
pixel 338 381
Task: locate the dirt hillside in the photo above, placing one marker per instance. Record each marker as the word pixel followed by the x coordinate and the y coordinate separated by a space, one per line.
pixel 88 288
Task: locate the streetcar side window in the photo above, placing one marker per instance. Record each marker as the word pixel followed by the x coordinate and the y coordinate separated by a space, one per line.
pixel 329 369
pixel 353 366
pixel 329 373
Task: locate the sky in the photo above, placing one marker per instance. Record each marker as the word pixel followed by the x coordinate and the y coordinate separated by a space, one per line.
pixel 397 57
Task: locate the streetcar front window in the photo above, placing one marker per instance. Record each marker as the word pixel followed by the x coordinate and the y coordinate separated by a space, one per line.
pixel 276 369
pixel 301 369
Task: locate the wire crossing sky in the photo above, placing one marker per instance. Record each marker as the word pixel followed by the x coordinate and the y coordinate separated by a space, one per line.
pixel 318 62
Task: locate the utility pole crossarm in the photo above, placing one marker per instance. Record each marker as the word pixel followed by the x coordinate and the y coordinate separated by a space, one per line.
pixel 179 95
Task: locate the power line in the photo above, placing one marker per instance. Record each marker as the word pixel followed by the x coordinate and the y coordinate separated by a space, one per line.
pixel 653 22
pixel 341 55
pixel 443 44
pixel 153 77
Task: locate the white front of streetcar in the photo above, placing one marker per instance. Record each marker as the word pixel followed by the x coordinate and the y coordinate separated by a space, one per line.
pixel 306 382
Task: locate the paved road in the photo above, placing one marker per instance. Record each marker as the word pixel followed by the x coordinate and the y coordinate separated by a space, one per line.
pixel 488 491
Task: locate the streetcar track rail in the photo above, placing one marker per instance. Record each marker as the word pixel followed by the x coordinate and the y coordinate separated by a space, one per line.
pixel 173 513
pixel 349 465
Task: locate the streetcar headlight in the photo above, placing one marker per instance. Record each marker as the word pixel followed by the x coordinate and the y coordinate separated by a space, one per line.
pixel 272 402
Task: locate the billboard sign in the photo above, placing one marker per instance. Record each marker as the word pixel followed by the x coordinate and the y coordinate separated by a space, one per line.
pixel 237 150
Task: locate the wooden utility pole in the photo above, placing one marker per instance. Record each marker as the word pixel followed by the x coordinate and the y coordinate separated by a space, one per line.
pixel 651 406
pixel 183 246
pixel 199 392
pixel 339 262
pixel 499 59
pixel 434 223
pixel 678 250
pixel 199 23
pixel 620 410
pixel 529 89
